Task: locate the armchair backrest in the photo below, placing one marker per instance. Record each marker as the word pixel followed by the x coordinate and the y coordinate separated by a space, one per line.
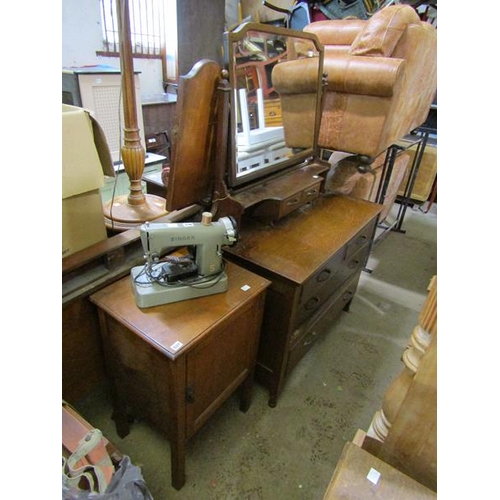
pixel 336 35
pixel 398 32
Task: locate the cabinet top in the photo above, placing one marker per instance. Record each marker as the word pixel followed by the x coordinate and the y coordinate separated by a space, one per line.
pixel 305 239
pixel 174 328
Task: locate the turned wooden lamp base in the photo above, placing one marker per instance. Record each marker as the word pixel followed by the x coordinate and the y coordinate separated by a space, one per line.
pixel 120 215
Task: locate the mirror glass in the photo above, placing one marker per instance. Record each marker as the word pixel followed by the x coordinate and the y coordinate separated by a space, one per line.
pixel 268 132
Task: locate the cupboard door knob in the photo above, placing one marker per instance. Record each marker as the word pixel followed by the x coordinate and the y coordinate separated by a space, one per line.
pixel 311 303
pixel 323 275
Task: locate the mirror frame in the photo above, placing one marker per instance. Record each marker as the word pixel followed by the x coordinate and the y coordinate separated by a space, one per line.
pixel 231 38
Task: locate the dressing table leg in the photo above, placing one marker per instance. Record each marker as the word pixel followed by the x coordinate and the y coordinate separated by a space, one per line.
pixel 246 393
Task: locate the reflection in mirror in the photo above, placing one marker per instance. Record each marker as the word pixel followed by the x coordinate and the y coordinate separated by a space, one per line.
pixel 259 58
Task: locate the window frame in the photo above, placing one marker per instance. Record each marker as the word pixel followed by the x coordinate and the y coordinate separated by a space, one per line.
pixel 148 20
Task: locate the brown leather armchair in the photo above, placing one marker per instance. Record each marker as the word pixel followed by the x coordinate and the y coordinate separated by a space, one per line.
pixel 381 77
pixel 381 80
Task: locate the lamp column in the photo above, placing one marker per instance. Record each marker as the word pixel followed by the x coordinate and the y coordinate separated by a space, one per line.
pixel 135 208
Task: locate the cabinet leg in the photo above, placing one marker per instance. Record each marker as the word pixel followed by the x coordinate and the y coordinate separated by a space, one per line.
pixel 178 463
pixel 122 423
pixel 347 306
pixel 246 393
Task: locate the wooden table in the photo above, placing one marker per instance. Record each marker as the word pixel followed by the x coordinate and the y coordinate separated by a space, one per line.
pixel 173 365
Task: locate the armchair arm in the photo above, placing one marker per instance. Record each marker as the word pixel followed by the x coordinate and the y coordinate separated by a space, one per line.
pixel 374 76
pixel 296 77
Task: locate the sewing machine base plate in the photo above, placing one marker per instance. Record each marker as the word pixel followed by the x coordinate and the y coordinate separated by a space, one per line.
pixel 152 294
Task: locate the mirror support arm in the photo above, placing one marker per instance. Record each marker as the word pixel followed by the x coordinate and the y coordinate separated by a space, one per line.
pixel 222 203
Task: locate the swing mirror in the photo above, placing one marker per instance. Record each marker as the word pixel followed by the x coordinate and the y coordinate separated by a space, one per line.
pixel 261 144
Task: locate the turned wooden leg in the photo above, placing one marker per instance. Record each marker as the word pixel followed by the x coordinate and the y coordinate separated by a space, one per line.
pixel 420 340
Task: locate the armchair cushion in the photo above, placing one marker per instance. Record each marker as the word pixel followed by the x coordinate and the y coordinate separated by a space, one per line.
pixel 381 35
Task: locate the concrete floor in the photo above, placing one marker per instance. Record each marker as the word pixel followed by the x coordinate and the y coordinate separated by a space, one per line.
pixel 290 452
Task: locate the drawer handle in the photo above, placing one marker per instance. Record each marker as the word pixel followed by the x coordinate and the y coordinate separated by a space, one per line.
pixel 347 296
pixel 361 239
pixel 312 192
pixel 310 339
pixel 353 264
pixel 323 275
pixel 292 202
pixel 311 303
pixel 272 113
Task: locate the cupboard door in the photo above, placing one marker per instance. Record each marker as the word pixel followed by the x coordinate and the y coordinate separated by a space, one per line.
pixel 220 363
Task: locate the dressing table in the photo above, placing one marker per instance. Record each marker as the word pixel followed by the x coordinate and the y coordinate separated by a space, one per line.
pixel 311 247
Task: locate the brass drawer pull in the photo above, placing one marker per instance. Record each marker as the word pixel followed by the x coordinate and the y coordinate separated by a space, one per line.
pixel 361 239
pixel 292 202
pixel 312 192
pixel 310 339
pixel 311 303
pixel 323 275
pixel 353 264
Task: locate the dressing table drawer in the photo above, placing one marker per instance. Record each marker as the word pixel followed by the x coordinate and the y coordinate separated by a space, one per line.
pixel 304 339
pixel 360 240
pixel 347 261
pixel 275 209
pixel 302 197
pixel 319 286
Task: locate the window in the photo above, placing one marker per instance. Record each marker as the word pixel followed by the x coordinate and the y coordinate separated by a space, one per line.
pixel 153 31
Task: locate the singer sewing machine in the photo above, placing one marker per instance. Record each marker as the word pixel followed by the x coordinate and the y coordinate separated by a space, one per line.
pixel 173 279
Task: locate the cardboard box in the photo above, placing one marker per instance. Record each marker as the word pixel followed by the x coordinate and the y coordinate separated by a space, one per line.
pixel 85 161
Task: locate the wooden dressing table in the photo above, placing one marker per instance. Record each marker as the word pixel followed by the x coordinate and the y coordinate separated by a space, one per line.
pixel 175 364
pixel 314 258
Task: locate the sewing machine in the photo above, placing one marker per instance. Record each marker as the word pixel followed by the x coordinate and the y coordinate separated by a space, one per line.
pixel 174 278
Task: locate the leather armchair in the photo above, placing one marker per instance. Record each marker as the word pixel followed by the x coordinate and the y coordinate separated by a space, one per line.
pixel 381 80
